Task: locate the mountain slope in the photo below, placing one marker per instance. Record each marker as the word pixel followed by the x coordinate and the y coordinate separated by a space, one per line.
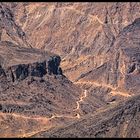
pixel 95 45
pixel 118 120
pixel 33 91
pixel 9 29
pixel 81 33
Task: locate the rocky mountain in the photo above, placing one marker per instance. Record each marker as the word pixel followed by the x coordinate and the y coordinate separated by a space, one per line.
pixel 83 31
pixel 119 120
pixel 9 29
pixel 33 88
pixel 32 85
pixel 61 63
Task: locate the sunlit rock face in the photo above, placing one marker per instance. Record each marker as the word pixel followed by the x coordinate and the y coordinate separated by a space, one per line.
pixel 61 62
pixel 83 34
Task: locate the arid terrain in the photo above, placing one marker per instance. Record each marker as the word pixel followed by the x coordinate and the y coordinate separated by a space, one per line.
pixel 69 69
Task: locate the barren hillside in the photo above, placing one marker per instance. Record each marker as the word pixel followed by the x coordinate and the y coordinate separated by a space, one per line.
pixel 63 63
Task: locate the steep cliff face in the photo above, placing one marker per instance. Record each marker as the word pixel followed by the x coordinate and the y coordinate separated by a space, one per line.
pixel 19 63
pixel 37 69
pixel 81 33
pixel 122 68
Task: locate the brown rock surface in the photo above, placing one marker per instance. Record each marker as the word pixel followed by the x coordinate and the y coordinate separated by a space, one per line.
pixel 98 47
pixel 31 95
pixel 81 33
pixel 118 120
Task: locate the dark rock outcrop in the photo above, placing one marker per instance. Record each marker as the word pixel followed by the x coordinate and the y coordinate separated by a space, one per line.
pixel 22 71
pixel 1 71
pixel 53 65
pixel 36 69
